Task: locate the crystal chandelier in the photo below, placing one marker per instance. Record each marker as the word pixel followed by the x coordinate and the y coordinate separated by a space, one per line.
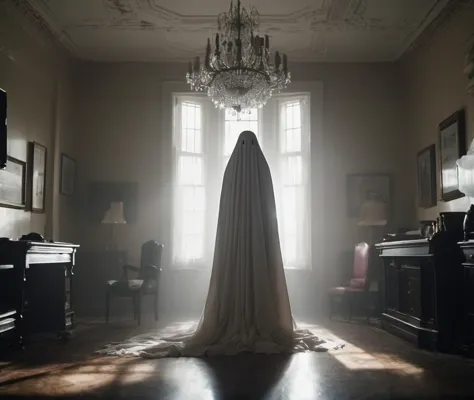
pixel 237 71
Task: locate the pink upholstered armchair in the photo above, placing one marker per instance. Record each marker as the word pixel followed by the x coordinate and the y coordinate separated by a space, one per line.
pixel 357 287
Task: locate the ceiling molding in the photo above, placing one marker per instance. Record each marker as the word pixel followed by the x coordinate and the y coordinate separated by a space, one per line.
pixel 29 19
pixel 41 13
pixel 308 33
pixel 440 21
pixel 39 27
pixel 175 17
pixel 314 17
pixel 438 13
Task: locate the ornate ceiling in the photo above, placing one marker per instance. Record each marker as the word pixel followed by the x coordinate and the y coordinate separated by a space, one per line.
pixel 175 30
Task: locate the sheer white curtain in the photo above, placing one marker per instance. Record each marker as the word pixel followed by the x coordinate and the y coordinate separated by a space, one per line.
pixel 203 140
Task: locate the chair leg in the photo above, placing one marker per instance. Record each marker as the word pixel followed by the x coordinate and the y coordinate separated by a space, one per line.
pixel 107 305
pixel 155 307
pixel 139 308
pixel 134 306
pixel 331 307
pixel 368 306
pixel 350 306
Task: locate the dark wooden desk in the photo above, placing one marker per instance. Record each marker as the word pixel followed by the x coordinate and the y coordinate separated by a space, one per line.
pixel 36 287
pixel 422 290
pixel 467 299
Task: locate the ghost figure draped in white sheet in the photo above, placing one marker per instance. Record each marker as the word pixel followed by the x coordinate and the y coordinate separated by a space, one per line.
pixel 247 306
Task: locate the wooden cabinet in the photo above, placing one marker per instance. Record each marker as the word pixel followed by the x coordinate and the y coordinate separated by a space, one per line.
pixel 7 300
pixel 423 281
pixel 36 287
pixel 467 299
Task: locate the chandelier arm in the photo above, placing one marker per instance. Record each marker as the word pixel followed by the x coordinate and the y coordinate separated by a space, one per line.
pixel 230 69
pixel 239 74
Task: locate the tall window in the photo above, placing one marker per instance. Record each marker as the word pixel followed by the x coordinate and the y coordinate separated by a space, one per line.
pixel 190 193
pixel 202 152
pixel 293 198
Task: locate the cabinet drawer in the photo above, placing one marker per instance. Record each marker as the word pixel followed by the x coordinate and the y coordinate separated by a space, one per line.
pixel 468 255
pixel 468 330
pixel 7 321
pixel 468 292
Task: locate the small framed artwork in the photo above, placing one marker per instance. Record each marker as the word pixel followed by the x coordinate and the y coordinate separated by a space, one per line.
pixel 13 184
pixel 452 140
pixel 68 175
pixel 363 187
pixel 426 171
pixel 37 177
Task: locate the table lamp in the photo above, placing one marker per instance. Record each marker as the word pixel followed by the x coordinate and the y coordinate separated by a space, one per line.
pixel 113 217
pixel 373 213
pixel 466 185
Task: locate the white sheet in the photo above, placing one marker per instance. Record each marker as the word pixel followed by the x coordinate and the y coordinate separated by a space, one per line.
pixel 247 307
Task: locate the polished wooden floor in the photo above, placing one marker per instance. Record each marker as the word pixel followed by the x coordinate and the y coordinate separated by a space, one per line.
pixel 372 365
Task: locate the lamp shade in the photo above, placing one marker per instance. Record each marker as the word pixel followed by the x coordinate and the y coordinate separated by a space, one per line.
pixel 373 212
pixel 114 214
pixel 466 172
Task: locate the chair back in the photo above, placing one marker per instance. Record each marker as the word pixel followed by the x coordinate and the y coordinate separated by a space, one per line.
pixel 151 254
pixel 361 262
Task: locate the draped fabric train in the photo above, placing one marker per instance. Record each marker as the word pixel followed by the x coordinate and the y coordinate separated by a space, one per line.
pixel 247 306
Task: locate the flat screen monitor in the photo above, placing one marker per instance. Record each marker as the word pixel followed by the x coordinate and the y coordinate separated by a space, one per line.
pixel 3 128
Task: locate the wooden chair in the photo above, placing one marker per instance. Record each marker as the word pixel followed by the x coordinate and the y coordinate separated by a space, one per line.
pixel 146 284
pixel 356 290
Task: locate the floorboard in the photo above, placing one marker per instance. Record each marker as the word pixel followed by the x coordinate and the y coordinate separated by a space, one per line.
pixel 372 365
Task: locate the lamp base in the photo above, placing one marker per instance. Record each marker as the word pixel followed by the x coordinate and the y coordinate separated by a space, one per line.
pixel 110 241
pixel 372 234
pixel 468 224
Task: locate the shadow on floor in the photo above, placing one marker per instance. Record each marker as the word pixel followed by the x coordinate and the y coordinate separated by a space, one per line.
pixel 372 365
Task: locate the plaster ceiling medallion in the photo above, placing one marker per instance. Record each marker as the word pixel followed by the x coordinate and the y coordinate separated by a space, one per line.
pixel 170 30
pixel 238 71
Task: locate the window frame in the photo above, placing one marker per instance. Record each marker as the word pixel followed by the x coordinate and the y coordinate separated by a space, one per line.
pixel 268 116
pixel 305 152
pixel 178 100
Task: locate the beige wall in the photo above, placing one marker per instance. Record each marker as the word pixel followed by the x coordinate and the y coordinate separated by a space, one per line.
pixel 120 137
pixel 110 118
pixel 375 117
pixel 36 78
pixel 434 74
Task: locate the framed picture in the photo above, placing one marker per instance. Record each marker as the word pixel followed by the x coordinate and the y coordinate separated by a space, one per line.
pixel 13 184
pixel 426 171
pixel 3 128
pixel 363 187
pixel 37 177
pixel 452 145
pixel 68 175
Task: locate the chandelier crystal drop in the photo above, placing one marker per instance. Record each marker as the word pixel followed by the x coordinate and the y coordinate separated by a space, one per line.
pixel 238 72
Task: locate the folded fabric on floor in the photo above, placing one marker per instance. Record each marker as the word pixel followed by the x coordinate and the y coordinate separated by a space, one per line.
pixel 177 342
